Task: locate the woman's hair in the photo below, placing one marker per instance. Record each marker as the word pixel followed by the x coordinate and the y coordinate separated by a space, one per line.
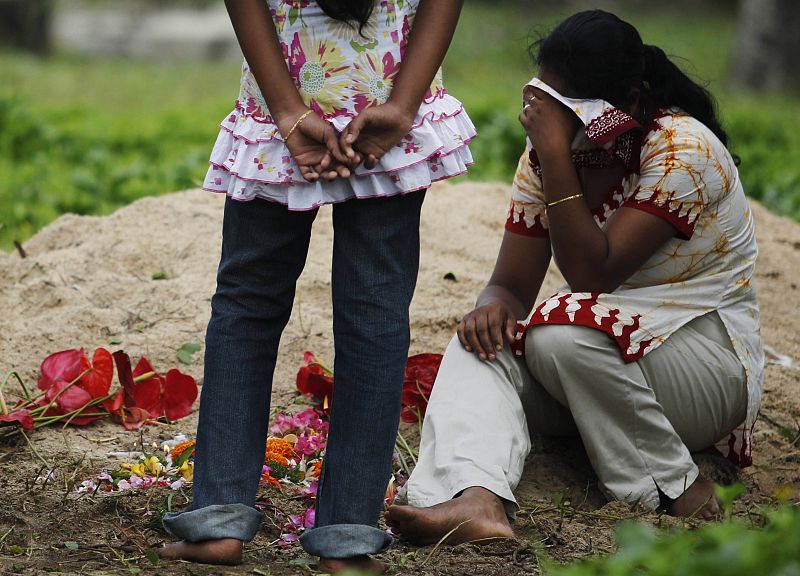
pixel 348 10
pixel 597 55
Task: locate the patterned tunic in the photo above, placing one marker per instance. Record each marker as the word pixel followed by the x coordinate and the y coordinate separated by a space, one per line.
pixel 685 175
pixel 338 71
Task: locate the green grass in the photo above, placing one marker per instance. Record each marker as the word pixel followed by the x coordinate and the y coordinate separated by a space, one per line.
pixel 89 135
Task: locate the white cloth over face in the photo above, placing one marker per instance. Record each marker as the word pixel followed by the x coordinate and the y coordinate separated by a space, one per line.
pixel 678 170
pixel 638 420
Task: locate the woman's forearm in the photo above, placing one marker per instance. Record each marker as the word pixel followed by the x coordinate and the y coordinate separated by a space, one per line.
pixel 434 25
pixel 580 247
pixel 259 42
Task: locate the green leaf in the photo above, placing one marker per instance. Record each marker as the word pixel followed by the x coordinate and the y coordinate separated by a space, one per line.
pixel 70 545
pixel 16 550
pixel 159 275
pixel 186 352
pixel 114 342
pixel 727 495
pixel 152 556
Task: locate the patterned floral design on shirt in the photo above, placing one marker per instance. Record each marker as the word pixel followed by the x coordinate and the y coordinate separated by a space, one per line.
pixel 338 68
pixel 319 69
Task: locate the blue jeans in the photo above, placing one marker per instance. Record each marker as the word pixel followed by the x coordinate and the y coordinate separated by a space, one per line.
pixel 375 264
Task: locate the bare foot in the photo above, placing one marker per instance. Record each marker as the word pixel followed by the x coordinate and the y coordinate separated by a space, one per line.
pixel 361 563
pixel 697 502
pixel 227 551
pixel 477 514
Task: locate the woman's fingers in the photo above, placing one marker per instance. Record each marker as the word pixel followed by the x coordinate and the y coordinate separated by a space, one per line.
pixel 330 175
pixel 321 166
pixel 350 135
pixel 462 337
pixel 484 330
pixel 473 341
pixel 308 173
pixel 511 328
pixel 333 143
pixel 342 170
pixel 371 161
pixel 496 325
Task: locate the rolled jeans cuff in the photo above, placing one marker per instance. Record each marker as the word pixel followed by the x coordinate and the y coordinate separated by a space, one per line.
pixel 345 540
pixel 214 522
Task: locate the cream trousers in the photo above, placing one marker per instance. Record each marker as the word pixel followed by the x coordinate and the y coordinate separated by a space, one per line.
pixel 639 421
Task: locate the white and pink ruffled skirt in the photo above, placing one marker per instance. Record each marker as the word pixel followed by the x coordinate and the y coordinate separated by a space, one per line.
pixel 250 160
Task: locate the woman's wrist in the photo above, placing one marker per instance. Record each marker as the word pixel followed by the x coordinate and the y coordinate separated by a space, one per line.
pixel 406 108
pixel 494 299
pixel 286 116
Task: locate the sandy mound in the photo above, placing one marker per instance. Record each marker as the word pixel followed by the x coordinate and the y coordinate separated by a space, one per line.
pixel 88 281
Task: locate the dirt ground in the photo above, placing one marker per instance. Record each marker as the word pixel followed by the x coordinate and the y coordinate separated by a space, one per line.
pixel 88 281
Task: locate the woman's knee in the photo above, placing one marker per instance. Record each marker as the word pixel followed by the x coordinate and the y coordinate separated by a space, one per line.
pixel 549 341
pixel 549 345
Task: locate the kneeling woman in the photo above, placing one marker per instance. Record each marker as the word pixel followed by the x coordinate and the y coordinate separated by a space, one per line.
pixel 652 351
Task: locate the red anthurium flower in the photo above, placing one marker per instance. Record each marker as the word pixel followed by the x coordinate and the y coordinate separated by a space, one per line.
pixel 146 395
pixel 64 365
pixel 22 416
pixel 97 381
pixel 314 379
pixel 68 397
pixel 421 371
pixel 178 395
pixel 70 381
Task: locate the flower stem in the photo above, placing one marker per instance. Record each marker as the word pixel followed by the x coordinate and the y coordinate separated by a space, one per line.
pixel 403 464
pixel 35 451
pixel 405 446
pixel 69 416
pixel 3 405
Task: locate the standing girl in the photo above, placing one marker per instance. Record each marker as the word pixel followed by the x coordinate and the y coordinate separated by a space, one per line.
pixel 340 103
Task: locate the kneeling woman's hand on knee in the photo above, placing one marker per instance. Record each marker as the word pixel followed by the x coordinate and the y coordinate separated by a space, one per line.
pixel 483 330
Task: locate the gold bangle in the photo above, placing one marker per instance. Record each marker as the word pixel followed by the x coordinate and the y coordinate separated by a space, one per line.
pixel 296 124
pixel 549 205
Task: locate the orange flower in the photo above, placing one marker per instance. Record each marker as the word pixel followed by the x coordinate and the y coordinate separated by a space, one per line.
pixel 316 469
pixel 275 458
pixel 270 480
pixel 280 447
pixel 179 449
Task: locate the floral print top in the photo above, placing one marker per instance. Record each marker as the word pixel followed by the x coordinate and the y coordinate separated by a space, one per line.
pixel 339 70
pixel 681 172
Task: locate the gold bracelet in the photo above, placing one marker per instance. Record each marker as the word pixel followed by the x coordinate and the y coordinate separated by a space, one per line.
pixel 296 124
pixel 549 205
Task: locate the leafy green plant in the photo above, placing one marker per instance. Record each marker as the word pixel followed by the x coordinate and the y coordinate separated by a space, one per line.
pixel 730 548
